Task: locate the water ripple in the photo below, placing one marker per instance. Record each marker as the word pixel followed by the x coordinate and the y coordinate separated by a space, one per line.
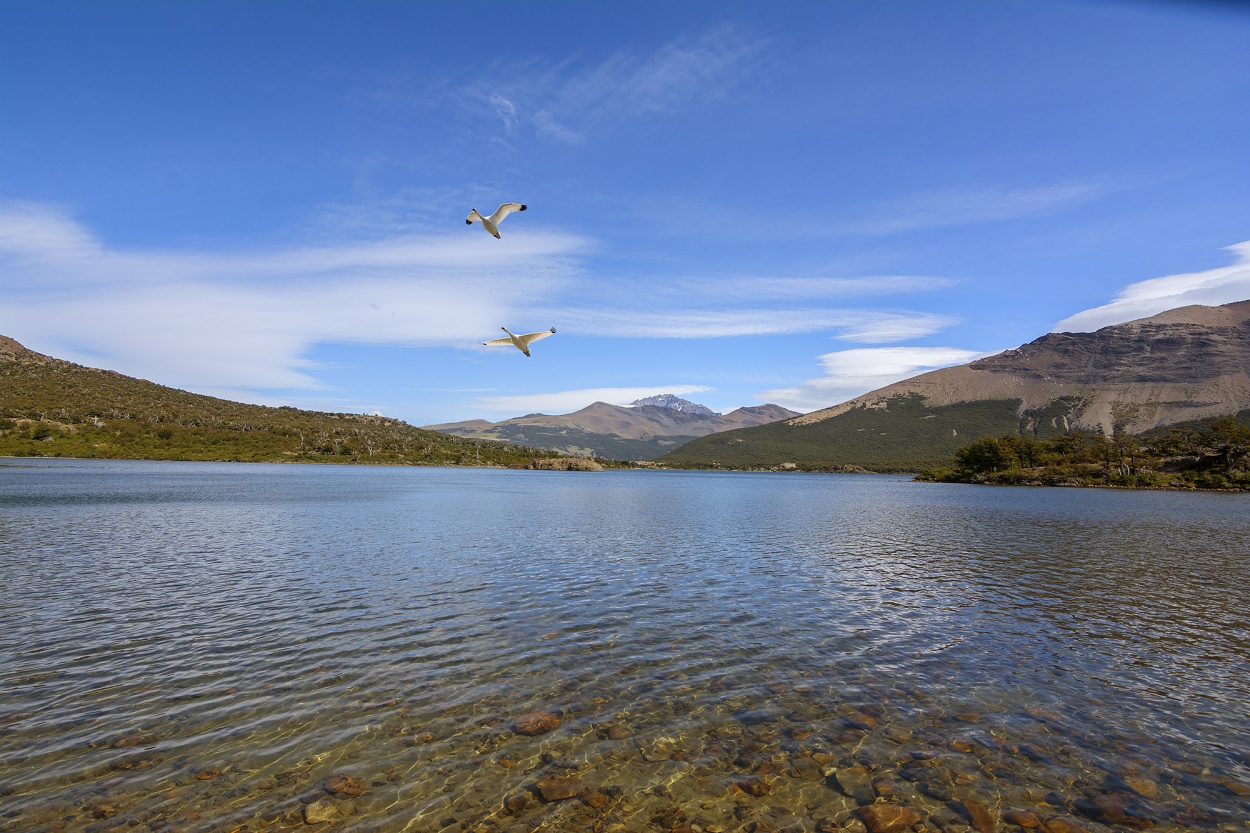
pixel 199 647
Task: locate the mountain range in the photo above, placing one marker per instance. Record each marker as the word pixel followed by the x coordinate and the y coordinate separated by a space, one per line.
pixel 643 430
pixel 1183 365
pixel 1178 367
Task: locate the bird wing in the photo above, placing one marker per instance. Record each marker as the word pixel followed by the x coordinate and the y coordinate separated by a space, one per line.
pixel 528 337
pixel 473 217
pixel 506 209
pixel 498 341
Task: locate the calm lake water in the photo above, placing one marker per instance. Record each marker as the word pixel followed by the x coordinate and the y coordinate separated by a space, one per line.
pixel 206 647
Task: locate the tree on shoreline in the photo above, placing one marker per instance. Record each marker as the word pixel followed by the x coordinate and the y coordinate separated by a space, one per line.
pixel 1212 454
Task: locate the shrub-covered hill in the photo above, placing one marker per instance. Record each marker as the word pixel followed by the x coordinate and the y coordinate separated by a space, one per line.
pixel 54 408
pixel 1206 454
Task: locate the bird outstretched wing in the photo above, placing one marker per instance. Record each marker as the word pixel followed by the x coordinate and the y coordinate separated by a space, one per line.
pixel 497 341
pixel 506 209
pixel 530 337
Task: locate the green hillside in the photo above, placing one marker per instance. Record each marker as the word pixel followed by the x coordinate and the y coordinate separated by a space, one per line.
pixel 53 408
pixel 906 435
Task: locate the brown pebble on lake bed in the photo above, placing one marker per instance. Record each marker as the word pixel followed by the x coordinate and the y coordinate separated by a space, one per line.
pixel 536 723
pixel 1234 786
pixel 323 809
pixel 1023 818
pixel 207 774
pixel 558 788
pixel 1060 825
pixel 516 803
pixel 979 816
pixel 344 786
pixel 887 818
pixel 885 788
pixel 754 786
pixel 859 720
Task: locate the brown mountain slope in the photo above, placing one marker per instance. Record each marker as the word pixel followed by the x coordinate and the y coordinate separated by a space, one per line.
pixel 1183 364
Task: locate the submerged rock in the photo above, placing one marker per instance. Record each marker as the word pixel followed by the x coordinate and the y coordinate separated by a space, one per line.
pixel 321 810
pixel 980 817
pixel 516 803
pixel 558 788
pixel 854 782
pixel 888 818
pixel 1115 810
pixel 536 723
pixel 860 720
pixel 1233 786
pixel 1023 818
pixel 754 785
pixel 344 786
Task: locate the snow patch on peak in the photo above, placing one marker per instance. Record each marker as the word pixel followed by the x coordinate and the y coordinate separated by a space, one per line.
pixel 676 403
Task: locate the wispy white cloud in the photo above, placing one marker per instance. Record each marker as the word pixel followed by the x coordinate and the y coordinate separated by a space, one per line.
pixel 850 373
pixel 825 287
pixel 546 125
pixel 227 323
pixel 561 402
pixel 506 111
pixel 866 326
pixel 1211 287
pixel 727 217
pixel 563 100
pixel 212 321
pixel 965 206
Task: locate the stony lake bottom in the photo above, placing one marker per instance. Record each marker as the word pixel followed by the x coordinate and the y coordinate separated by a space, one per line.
pixel 219 647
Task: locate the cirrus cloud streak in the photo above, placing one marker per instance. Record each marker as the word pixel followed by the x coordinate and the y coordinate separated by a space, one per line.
pixel 852 373
pixel 1211 287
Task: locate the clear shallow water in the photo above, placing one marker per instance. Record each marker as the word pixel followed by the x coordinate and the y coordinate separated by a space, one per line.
pixel 202 646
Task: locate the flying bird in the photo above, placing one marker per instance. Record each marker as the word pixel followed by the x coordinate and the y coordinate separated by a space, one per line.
pixel 492 222
pixel 521 343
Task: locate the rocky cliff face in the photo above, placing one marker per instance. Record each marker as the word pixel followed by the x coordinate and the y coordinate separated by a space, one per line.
pixel 1184 364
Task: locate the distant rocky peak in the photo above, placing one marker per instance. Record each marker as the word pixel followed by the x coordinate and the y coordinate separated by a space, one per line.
pixel 676 403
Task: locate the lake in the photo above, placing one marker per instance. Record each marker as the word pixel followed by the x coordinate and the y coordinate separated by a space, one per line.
pixel 231 647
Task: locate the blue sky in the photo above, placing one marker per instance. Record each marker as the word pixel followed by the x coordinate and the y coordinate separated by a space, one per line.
pixel 737 202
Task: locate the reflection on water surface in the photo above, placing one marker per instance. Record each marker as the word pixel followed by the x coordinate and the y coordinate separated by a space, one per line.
pixel 214 647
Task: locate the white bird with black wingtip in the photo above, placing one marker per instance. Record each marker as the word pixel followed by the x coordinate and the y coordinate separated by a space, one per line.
pixel 492 222
pixel 521 343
